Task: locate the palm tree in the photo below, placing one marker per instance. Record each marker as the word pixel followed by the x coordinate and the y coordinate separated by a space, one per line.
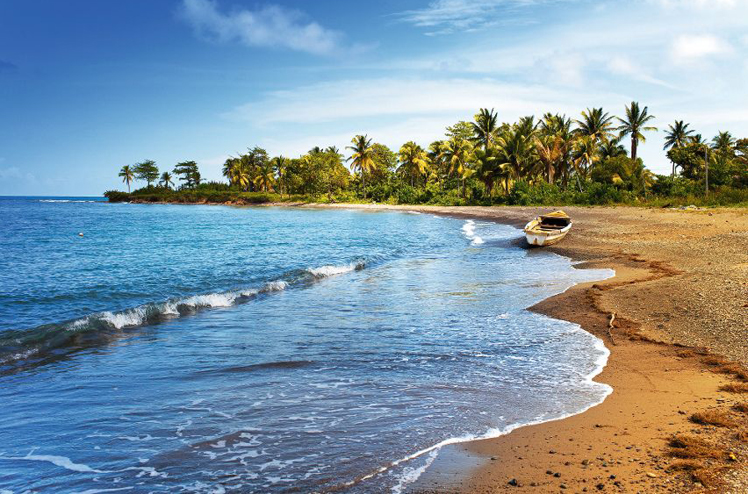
pixel 166 180
pixel 241 176
pixel 265 177
pixel 362 158
pixel 280 165
pixel 516 148
pixel 414 162
pixel 485 128
pixel 456 152
pixel 677 136
pixel 550 150
pixel 586 155
pixel 634 124
pixel 229 168
pixel 127 176
pixel 611 149
pixel 596 124
pixel 724 142
pixel 487 168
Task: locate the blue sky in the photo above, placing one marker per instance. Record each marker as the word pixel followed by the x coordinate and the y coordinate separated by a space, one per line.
pixel 87 86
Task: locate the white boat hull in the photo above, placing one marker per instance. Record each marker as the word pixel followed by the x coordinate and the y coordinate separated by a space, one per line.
pixel 542 238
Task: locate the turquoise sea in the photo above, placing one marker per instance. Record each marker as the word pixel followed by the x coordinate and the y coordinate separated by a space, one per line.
pixel 226 349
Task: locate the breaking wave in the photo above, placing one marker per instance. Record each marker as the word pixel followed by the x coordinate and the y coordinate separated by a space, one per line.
pixel 326 271
pixel 23 345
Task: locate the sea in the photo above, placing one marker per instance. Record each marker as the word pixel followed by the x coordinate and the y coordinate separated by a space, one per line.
pixel 198 348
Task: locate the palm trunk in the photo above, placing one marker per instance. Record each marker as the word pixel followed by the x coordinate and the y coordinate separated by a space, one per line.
pixel 633 148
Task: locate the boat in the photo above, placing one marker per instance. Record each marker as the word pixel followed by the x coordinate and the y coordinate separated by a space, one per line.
pixel 548 229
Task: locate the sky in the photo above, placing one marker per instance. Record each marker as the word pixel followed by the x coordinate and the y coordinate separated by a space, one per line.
pixel 87 86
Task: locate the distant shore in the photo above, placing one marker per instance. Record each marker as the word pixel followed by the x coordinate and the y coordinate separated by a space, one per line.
pixel 679 298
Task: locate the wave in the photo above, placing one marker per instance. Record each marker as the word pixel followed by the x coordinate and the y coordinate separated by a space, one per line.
pixel 327 271
pixel 468 229
pixel 410 475
pixel 23 345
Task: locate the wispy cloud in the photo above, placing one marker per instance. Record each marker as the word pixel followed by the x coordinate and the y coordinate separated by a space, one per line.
pixel 268 26
pixel 693 48
pixel 361 100
pixel 448 16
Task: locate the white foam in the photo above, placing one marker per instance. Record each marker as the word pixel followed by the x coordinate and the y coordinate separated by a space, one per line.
pixel 468 229
pixel 326 271
pixel 410 475
pixel 132 317
pixel 60 461
pixel 275 286
pixel 210 300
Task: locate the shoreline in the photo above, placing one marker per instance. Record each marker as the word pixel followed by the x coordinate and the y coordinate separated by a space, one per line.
pixel 659 380
pixel 679 295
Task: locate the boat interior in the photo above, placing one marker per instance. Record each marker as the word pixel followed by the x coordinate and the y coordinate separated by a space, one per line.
pixel 553 223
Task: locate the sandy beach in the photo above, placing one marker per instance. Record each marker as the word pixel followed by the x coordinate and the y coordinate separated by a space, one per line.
pixel 679 336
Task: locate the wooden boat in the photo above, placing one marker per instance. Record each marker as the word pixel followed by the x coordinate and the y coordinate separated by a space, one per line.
pixel 548 229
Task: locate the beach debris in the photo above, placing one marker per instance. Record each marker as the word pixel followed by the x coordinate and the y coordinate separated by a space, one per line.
pixel 513 483
pixel 651 475
pixel 610 327
pixel 80 234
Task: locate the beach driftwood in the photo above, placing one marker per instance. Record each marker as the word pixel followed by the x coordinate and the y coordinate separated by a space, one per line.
pixel 610 327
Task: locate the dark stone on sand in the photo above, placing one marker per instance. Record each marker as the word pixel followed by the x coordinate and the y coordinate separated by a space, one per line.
pixel 600 486
pixel 563 486
pixel 513 483
pixel 557 475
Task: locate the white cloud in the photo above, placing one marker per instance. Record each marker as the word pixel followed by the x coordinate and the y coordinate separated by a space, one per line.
pixel 270 26
pixel 446 16
pixel 691 48
pixel 388 97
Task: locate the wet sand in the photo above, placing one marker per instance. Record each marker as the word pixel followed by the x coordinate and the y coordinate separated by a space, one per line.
pixel 680 296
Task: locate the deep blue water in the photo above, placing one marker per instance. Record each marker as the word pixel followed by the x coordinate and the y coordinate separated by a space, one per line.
pixel 211 349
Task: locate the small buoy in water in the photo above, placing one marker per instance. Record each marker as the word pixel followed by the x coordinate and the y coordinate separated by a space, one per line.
pixel 80 234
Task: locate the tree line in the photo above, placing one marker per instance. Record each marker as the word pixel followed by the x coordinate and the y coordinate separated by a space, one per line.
pixel 484 161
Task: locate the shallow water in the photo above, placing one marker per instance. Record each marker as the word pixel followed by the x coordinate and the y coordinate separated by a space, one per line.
pixel 208 348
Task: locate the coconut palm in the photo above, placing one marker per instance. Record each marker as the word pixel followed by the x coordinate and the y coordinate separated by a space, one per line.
pixel 611 149
pixel 550 150
pixel 585 156
pixel 280 166
pixel 485 128
pixel 414 162
pixel 456 153
pixel 229 167
pixel 362 158
pixel 677 135
pixel 516 148
pixel 724 142
pixel 487 168
pixel 265 177
pixel 166 180
pixel 241 176
pixel 127 175
pixel 634 124
pixel 596 124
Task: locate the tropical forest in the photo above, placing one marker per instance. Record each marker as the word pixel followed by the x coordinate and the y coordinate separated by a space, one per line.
pixel 553 160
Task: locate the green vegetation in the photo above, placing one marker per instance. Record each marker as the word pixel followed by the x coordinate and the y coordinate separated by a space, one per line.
pixel 554 160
